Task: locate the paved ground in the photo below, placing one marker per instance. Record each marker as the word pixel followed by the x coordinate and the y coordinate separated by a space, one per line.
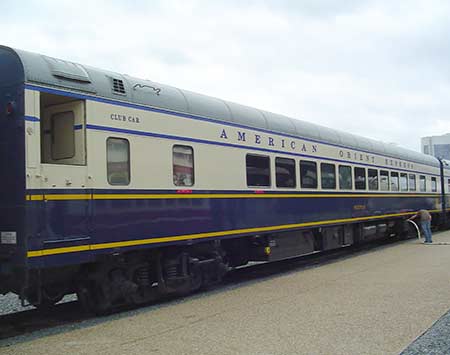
pixel 374 303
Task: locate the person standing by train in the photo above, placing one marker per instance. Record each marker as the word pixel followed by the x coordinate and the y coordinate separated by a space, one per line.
pixel 425 224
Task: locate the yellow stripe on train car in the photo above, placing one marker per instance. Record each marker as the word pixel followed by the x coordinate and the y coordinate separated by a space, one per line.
pixel 71 197
pixel 129 243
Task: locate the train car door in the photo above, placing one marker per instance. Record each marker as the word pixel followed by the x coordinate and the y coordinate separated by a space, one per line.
pixel 64 173
pixel 64 134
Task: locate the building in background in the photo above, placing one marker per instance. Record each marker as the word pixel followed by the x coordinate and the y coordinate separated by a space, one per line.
pixel 439 146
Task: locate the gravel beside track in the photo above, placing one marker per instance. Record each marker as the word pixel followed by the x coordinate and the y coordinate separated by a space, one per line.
pixel 435 341
pixel 10 303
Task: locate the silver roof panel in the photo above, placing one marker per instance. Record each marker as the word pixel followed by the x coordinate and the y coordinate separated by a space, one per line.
pixel 279 123
pixel 306 129
pixel 210 107
pixel 146 92
pixel 329 135
pixel 58 73
pixel 247 116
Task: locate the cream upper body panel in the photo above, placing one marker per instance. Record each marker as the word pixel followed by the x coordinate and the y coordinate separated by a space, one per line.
pixel 153 115
pixel 219 149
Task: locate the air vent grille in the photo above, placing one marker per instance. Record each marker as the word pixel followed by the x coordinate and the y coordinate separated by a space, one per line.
pixel 118 86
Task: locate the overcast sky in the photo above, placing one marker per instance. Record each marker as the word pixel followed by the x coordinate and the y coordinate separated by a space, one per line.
pixel 380 69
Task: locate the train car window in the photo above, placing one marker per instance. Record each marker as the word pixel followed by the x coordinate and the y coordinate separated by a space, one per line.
pixel 412 182
pixel 394 181
pixel 422 183
pixel 328 176
pixel 384 180
pixel 308 174
pixel 258 170
pixel 372 175
pixel 285 172
pixel 63 130
pixel 448 185
pixel 360 178
pixel 433 184
pixel 403 182
pixel 345 177
pixel 183 165
pixel 62 135
pixel 118 161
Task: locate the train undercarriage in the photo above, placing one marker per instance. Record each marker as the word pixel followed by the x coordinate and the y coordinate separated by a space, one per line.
pixel 140 277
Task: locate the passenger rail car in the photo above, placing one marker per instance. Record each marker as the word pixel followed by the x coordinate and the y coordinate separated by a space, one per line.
pixel 122 189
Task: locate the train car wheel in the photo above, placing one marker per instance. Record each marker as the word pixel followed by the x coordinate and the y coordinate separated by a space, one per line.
pixel 92 298
pixel 46 297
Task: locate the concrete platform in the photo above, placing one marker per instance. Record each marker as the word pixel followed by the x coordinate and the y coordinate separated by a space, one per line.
pixel 378 302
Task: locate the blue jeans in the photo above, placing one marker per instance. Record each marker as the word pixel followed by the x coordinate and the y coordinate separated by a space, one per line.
pixel 426 228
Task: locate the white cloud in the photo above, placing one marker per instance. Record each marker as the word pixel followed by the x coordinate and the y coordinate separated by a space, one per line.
pixel 375 68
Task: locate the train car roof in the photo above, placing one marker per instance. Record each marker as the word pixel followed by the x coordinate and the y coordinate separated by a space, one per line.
pixel 446 164
pixel 43 70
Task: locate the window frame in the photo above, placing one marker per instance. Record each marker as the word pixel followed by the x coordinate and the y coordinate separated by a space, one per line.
pixel 394 175
pixel 412 186
pixel 269 175
pixel 55 135
pixel 309 162
pixel 355 169
pixel 433 184
pixel 403 177
pixel 173 165
pixel 327 165
pixel 388 180
pixel 350 175
pixel 424 179
pixel 377 179
pixel 108 175
pixel 294 178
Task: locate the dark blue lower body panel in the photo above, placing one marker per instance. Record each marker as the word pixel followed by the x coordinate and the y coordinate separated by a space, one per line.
pixel 74 231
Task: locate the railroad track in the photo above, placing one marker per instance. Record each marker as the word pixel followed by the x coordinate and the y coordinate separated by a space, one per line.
pixel 71 314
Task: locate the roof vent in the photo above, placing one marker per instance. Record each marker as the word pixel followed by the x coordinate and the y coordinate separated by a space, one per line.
pixel 67 70
pixel 118 86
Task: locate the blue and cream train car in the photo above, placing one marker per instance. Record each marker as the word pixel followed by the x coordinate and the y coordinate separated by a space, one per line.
pixel 122 189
